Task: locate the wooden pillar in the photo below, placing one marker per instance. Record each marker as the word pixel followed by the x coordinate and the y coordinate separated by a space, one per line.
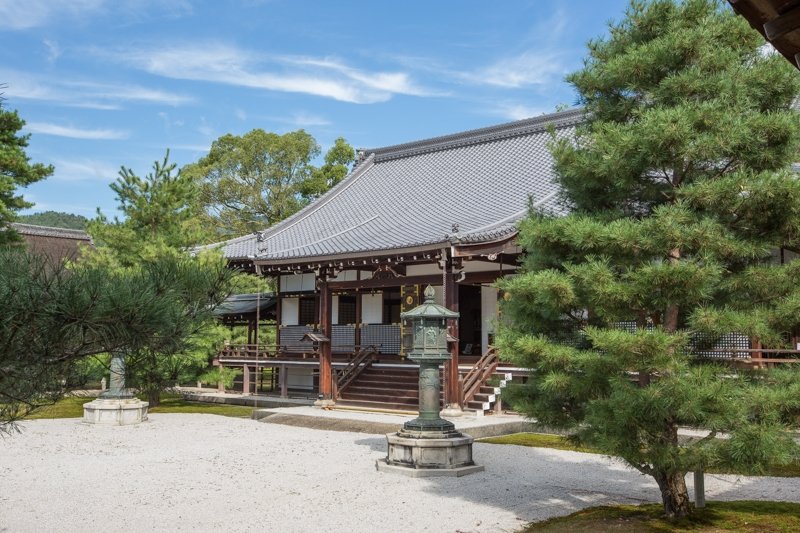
pixel 452 396
pixel 284 382
pixel 245 380
pixel 325 320
pixel 357 333
pixel 757 355
pixel 278 316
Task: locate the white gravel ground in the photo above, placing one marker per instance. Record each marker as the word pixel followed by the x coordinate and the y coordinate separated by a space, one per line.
pixel 210 473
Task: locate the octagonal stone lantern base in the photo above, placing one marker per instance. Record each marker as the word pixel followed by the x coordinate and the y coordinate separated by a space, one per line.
pixel 115 411
pixel 429 457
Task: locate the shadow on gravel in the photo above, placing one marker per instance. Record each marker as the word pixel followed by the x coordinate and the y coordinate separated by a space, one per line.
pixel 376 444
pixel 537 484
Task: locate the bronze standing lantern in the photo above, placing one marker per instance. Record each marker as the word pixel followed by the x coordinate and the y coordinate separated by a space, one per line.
pixel 428 323
pixel 429 445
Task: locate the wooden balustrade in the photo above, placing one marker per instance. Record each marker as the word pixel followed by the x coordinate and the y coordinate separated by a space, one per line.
pixel 362 359
pixel 471 383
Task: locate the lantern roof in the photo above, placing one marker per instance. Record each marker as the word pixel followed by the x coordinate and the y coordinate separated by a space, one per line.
pixel 429 308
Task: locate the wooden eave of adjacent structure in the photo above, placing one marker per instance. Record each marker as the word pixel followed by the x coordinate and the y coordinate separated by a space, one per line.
pixel 372 258
pixel 777 20
pixel 489 251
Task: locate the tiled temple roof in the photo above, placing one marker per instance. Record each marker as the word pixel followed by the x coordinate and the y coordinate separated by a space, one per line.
pixel 470 187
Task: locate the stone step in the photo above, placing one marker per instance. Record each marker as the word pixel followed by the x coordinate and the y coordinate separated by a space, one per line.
pixel 382 405
pixel 366 394
pixel 392 379
pixel 479 406
pixel 384 383
pixel 485 398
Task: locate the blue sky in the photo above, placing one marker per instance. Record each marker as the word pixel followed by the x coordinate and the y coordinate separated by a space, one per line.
pixel 104 83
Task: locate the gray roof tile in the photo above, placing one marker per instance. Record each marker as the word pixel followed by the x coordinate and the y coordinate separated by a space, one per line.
pixel 411 195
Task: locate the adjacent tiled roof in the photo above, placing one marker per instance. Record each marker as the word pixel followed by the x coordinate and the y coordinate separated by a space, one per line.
pixel 244 304
pixel 47 231
pixel 470 187
pixel 56 243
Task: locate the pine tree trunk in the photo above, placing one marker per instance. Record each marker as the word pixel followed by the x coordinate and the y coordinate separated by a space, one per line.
pixel 672 312
pixel 674 494
pixel 154 397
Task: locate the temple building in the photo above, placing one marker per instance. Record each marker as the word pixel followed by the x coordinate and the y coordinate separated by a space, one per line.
pixel 57 244
pixel 440 212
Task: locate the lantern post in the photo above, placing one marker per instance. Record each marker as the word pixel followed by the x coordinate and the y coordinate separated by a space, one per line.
pixel 429 445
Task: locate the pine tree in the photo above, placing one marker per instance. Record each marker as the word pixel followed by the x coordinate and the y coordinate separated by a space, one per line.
pixel 16 171
pixel 162 221
pixel 162 216
pixel 679 191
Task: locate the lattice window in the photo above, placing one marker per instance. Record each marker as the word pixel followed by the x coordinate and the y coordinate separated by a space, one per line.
pixel 347 310
pixel 308 311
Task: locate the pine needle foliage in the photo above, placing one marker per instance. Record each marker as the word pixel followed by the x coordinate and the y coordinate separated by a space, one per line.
pixel 680 191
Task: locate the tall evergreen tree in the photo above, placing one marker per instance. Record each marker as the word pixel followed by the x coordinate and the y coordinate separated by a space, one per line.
pixel 679 190
pixel 161 216
pixel 162 221
pixel 16 171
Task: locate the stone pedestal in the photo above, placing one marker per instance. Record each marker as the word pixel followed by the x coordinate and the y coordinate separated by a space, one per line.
pixel 416 456
pixel 115 411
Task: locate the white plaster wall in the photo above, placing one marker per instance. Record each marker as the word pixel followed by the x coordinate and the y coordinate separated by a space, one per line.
pixel 297 282
pixel 290 311
pixel 488 315
pixel 299 378
pixel 485 266
pixel 335 309
pixel 372 308
pixel 307 282
pixel 346 275
pixel 422 270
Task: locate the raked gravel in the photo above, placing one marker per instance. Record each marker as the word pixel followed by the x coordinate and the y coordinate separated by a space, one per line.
pixel 184 472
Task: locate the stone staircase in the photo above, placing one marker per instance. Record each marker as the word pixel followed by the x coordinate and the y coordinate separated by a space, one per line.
pixel 488 396
pixel 397 389
pixel 377 387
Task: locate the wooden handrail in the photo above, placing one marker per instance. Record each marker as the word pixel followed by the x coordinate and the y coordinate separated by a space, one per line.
pixel 362 359
pixel 478 375
pixel 249 351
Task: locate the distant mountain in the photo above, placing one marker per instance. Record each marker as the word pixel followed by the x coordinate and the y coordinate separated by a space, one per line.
pixel 54 219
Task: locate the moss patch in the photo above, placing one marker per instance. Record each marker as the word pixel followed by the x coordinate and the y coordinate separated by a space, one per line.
pixel 748 516
pixel 539 440
pixel 72 407
pixel 558 442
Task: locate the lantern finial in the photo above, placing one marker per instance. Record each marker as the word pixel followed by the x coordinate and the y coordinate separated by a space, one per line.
pixel 430 294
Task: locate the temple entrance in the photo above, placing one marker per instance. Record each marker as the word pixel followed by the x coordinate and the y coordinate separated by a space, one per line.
pixel 469 324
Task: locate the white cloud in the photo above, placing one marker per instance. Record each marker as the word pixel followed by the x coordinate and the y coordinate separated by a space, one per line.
pixel 84 170
pixel 86 94
pixel 16 15
pixel 200 148
pixel 26 14
pixel 517 111
pixel 240 114
pixel 222 63
pixel 131 93
pixel 524 70
pixel 205 128
pixel 45 128
pixel 53 50
pixel 305 120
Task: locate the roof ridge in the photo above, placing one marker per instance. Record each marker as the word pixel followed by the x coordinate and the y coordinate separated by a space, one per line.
pixel 287 222
pixel 332 193
pixel 66 232
pixel 491 133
